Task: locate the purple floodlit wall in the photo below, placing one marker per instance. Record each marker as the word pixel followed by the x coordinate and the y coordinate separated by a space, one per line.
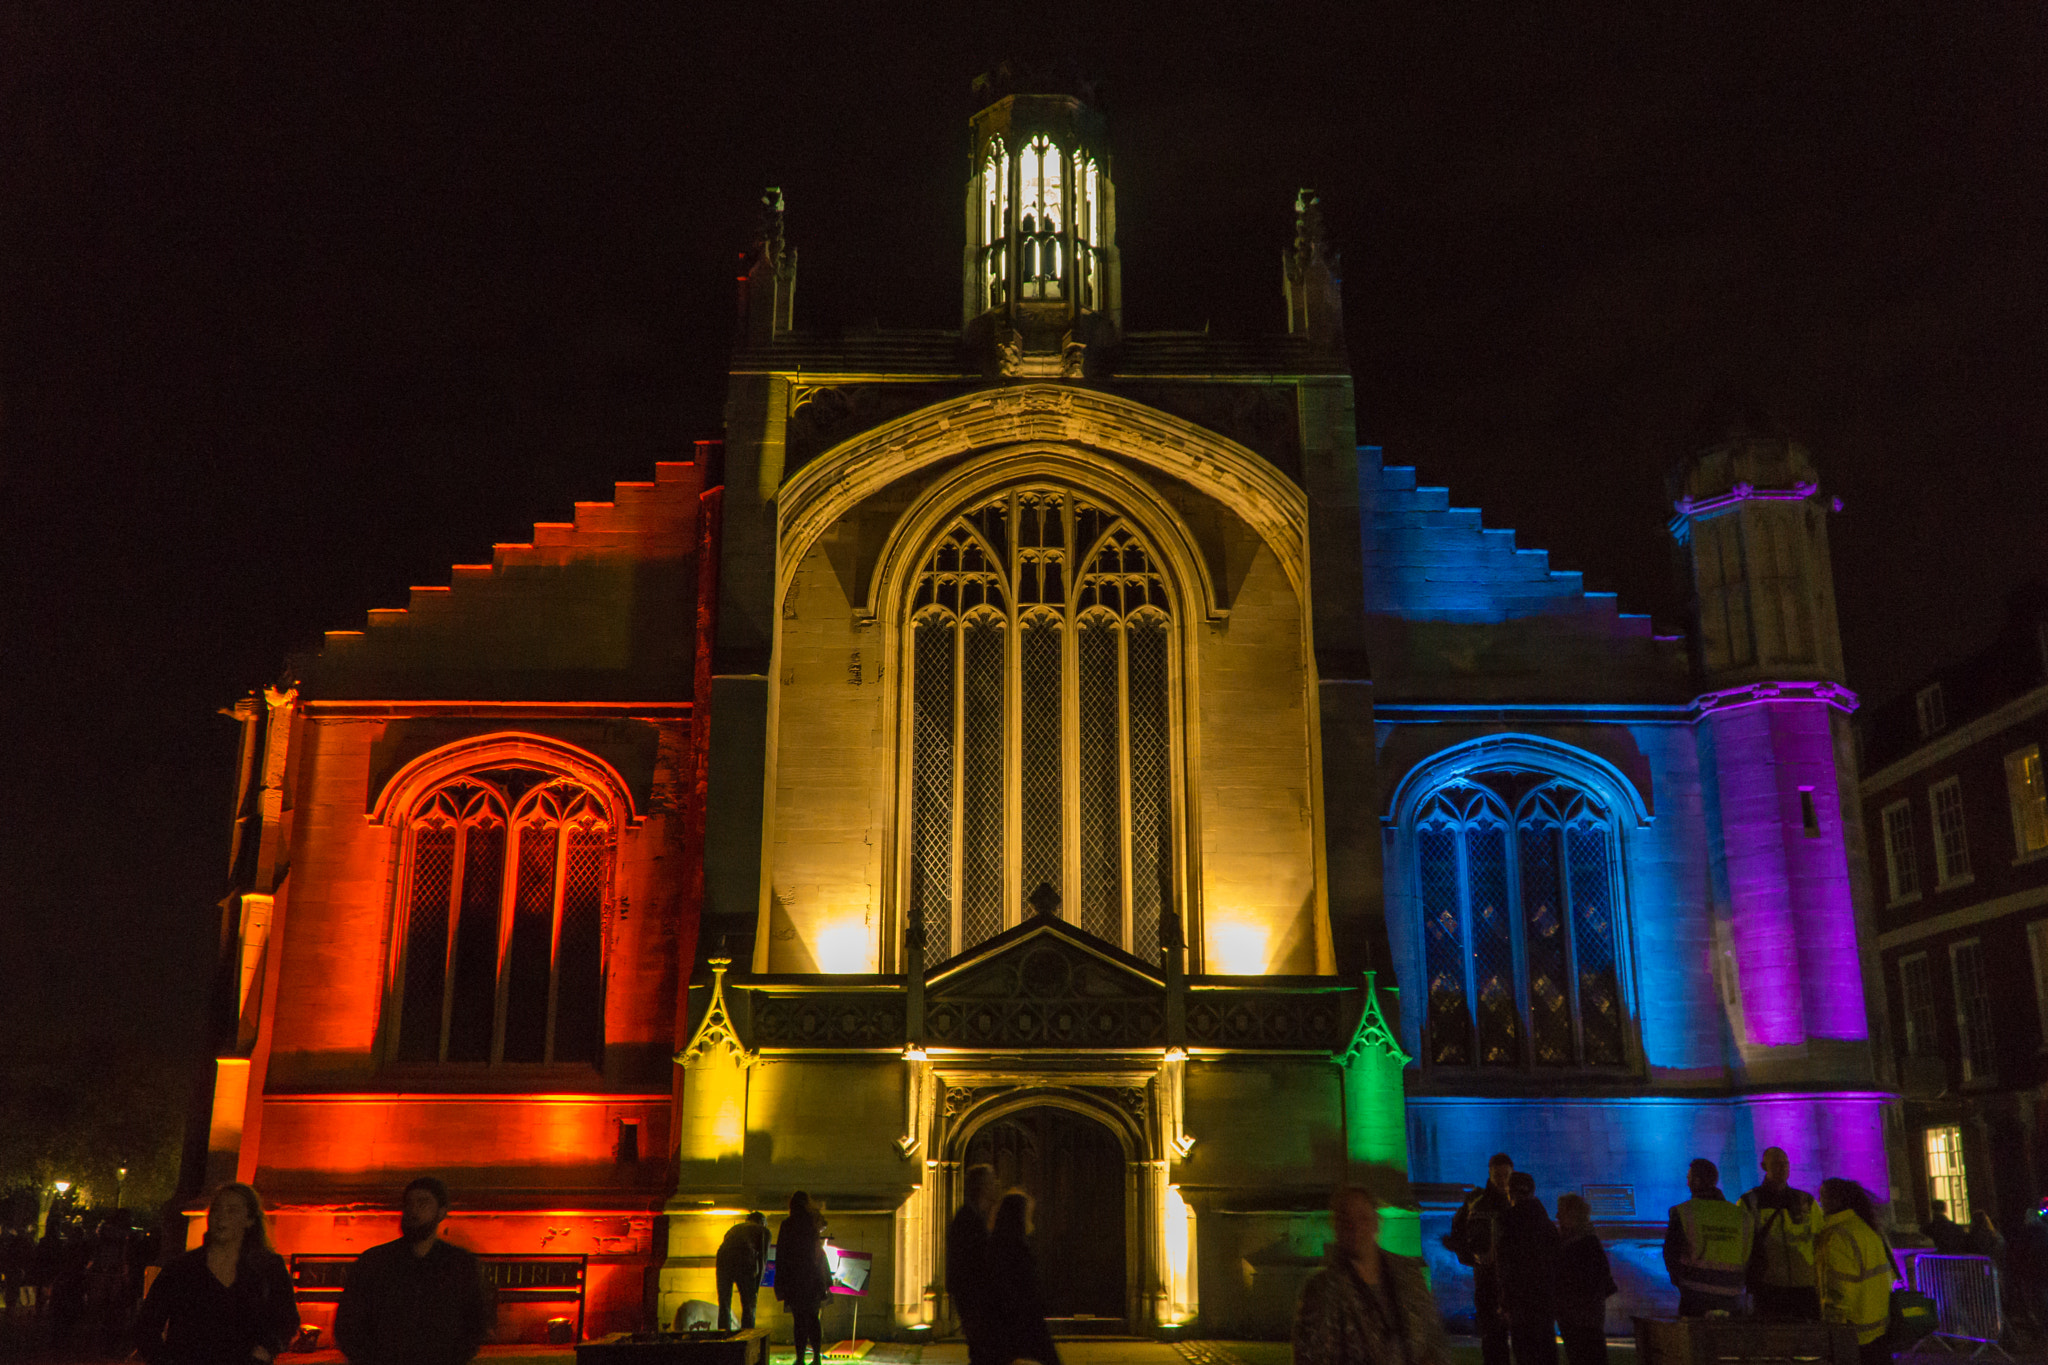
pixel 1792 919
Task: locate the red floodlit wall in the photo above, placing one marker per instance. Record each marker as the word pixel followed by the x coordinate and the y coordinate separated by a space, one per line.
pixel 586 647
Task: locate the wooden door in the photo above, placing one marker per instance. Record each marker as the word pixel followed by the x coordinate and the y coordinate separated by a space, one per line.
pixel 1074 1170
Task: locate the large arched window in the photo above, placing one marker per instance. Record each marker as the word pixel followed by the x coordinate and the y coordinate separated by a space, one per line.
pixel 501 954
pixel 1041 675
pixel 1516 876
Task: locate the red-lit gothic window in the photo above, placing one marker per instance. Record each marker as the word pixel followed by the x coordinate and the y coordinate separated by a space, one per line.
pixel 502 950
pixel 1518 886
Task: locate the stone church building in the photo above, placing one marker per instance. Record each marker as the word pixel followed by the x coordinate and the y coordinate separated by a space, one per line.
pixel 1041 742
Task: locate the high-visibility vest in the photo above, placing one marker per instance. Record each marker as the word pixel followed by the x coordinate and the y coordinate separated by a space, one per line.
pixel 1717 1241
pixel 1854 1276
pixel 1784 1240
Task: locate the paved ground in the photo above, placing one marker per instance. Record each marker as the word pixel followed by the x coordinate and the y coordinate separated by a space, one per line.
pixel 1073 1351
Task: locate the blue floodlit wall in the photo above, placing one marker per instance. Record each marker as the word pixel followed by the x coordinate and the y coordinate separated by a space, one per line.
pixel 1480 648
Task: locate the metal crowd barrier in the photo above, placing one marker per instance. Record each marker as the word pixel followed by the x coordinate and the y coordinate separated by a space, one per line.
pixel 1965 1294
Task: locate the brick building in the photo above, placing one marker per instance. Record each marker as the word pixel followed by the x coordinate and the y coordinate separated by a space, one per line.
pixel 1048 742
pixel 1954 798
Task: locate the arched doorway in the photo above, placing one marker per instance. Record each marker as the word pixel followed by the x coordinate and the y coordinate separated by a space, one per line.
pixel 1074 1169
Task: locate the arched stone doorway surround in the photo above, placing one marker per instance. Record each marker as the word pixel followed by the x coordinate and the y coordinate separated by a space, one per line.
pixel 1114 1104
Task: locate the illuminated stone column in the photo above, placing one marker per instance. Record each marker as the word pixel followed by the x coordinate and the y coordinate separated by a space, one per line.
pixel 1376 1123
pixel 915 1229
pixel 710 1153
pixel 1789 903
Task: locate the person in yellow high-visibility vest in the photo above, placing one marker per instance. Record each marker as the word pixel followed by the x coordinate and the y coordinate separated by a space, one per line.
pixel 1706 1245
pixel 1853 1268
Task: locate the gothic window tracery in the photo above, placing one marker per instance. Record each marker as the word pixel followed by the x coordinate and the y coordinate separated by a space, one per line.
pixel 1040 719
pixel 1517 881
pixel 501 945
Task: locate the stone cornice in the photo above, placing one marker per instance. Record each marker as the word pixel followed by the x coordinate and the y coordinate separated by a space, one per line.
pixel 1752 694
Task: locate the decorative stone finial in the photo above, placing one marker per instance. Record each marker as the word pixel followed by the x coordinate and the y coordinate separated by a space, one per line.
pixel 1044 901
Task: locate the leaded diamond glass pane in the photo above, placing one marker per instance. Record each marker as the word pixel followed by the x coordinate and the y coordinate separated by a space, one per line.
pixel 1450 1021
pixel 426 943
pixel 931 793
pixel 1493 944
pixel 1151 763
pixel 1543 940
pixel 579 959
pixel 1044 806
pixel 1592 883
pixel 1101 910
pixel 981 780
pixel 529 958
pixel 473 1011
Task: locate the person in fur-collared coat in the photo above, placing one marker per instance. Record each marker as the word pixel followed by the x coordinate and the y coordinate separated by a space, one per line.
pixel 1367 1306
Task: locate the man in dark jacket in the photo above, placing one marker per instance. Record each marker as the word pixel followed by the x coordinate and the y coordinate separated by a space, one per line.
pixel 967 1261
pixel 418 1300
pixel 1528 1274
pixel 1475 1240
pixel 742 1257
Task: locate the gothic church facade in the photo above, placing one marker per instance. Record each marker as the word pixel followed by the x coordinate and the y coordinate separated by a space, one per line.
pixel 1059 745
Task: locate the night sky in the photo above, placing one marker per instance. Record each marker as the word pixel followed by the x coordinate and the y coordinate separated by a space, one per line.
pixel 304 303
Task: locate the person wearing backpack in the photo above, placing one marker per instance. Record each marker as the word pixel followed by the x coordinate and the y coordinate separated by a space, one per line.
pixel 1780 1274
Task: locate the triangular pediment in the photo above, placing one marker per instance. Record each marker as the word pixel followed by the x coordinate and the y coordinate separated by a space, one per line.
pixel 1045 983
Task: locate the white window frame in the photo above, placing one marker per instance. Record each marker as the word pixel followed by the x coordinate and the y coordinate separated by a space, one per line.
pixel 2037 952
pixel 1947 1178
pixel 1951 865
pixel 1974 1030
pixel 1931 709
pixel 2026 788
pixel 1901 866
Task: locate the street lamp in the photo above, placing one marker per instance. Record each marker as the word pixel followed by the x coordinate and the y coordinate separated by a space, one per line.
pixel 62 1187
pixel 120 1179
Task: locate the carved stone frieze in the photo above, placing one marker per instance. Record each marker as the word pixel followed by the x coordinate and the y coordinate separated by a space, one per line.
pixel 808 1020
pixel 1261 1019
pixel 1050 994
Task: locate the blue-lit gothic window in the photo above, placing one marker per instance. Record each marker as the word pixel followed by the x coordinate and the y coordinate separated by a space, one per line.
pixel 1041 670
pixel 1516 875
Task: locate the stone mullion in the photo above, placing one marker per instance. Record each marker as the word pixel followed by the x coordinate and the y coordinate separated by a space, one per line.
pixel 1070 713
pixel 1569 926
pixel 1123 769
pixel 455 879
pixel 1014 890
pixel 555 930
pixel 958 627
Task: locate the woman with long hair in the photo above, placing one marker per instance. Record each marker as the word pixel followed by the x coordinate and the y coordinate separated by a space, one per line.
pixel 802 1277
pixel 1016 1310
pixel 1854 1266
pixel 227 1301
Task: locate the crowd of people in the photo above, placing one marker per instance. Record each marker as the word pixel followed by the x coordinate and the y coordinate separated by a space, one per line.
pixel 1795 1257
pixel 1538 1281
pixel 74 1286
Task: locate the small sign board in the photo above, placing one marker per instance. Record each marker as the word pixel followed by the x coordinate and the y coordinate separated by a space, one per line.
pixel 849 1270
